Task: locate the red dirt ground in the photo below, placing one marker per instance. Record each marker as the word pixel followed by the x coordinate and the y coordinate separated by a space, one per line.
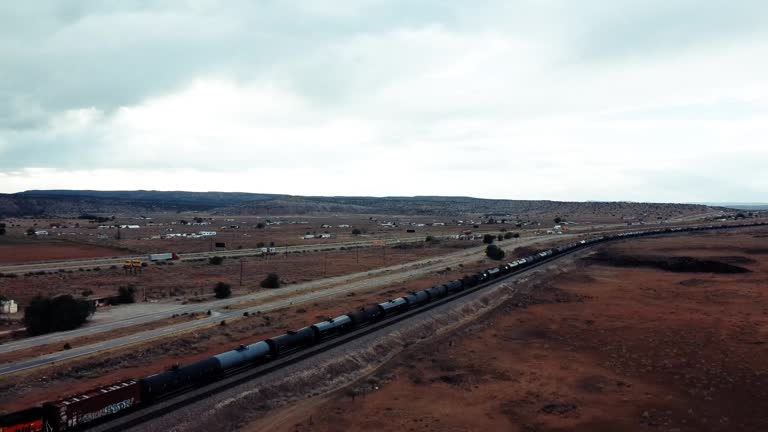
pixel 52 251
pixel 600 349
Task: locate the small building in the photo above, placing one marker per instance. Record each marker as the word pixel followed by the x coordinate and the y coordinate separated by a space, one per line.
pixel 308 236
pixel 207 233
pixel 9 307
pixel 41 233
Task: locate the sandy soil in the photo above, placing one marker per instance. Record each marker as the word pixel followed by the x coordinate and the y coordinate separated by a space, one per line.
pixel 600 348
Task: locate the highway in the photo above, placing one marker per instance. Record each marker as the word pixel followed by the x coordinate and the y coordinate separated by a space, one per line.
pixel 269 301
pixel 50 266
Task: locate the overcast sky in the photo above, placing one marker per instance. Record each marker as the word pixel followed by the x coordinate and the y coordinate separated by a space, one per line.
pixel 647 100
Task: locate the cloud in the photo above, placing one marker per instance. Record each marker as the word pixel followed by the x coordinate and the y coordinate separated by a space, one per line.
pixel 558 100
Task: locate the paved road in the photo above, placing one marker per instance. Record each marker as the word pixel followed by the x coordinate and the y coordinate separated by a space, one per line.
pixel 304 293
pixel 103 262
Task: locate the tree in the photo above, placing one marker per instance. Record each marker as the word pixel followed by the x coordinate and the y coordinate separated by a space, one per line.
pixel 126 294
pixel 488 238
pixel 45 314
pixel 356 232
pixel 558 219
pixel 271 281
pixel 260 225
pixel 494 252
pixel 215 260
pixel 508 235
pixel 222 290
pixel 2 229
pixel 500 237
pixel 30 231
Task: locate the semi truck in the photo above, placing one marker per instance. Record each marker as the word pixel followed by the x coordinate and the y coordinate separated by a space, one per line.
pixel 163 256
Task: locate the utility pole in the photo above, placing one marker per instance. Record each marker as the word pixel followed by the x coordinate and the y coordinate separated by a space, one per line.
pixel 241 271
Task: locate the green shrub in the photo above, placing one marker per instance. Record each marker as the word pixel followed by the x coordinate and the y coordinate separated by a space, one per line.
pixel 271 281
pixel 222 290
pixel 494 252
pixel 126 294
pixel 46 314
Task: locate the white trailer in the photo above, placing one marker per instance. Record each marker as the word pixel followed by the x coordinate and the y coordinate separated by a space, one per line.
pixel 163 256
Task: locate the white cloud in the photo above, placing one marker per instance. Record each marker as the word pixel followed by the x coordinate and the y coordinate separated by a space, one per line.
pixel 496 102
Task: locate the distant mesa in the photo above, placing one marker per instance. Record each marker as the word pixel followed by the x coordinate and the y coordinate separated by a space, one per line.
pixel 69 203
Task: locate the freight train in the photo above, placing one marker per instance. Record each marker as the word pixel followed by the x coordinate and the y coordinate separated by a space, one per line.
pixel 83 410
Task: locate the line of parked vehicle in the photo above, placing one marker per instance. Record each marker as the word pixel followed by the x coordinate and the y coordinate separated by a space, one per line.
pixel 86 409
